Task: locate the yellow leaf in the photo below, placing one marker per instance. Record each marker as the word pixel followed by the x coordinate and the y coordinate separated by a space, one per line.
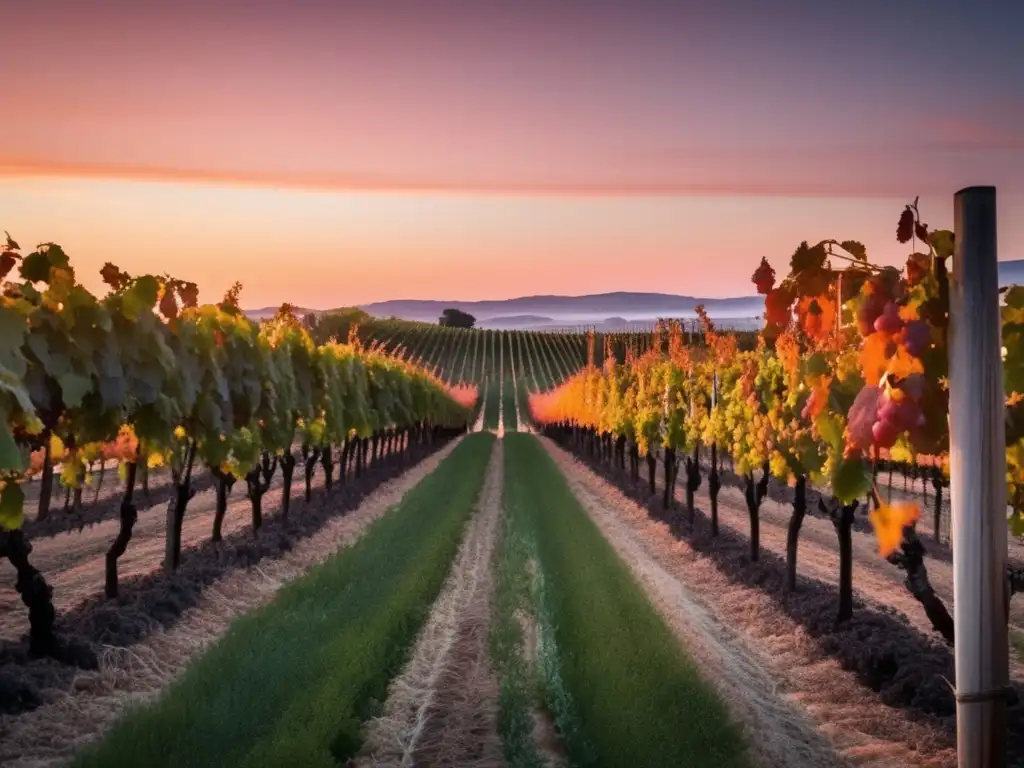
pixel 903 365
pixel 56 449
pixel 889 520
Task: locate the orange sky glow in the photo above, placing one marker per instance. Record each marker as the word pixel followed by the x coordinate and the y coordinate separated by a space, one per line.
pixel 341 153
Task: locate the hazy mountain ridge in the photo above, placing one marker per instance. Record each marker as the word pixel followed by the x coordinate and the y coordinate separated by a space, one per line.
pixel 548 311
pixel 511 322
pixel 567 308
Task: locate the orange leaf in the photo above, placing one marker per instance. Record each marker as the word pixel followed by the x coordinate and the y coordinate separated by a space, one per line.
pixel 817 316
pixel 788 350
pixel 889 520
pixel 909 313
pixel 903 364
pixel 874 356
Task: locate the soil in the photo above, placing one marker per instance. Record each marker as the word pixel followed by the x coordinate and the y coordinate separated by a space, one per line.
pixel 106 505
pixel 150 599
pixel 136 672
pixel 778 730
pixel 818 553
pixel 843 674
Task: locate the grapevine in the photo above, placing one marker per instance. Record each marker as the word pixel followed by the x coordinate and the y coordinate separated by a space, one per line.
pixel 850 369
pixel 147 375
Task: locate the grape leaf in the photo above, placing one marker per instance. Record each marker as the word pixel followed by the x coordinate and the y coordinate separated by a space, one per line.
pixel 7 262
pixel 10 456
pixel 806 258
pixel 889 522
pixel 817 365
pixel 850 480
pixel 1017 523
pixel 12 507
pixel 13 328
pixel 856 249
pixel 141 296
pixel 74 387
pixel 942 240
pixel 830 427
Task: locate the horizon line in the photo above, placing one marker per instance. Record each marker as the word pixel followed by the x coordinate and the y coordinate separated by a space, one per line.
pixel 747 297
pixel 370 184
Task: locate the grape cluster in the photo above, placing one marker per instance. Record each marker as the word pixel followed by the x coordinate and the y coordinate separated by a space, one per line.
pixel 899 404
pixel 899 411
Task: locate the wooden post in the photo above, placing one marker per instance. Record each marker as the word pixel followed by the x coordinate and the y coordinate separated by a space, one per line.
pixel 977 456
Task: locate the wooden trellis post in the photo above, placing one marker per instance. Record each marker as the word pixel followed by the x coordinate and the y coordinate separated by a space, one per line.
pixel 977 458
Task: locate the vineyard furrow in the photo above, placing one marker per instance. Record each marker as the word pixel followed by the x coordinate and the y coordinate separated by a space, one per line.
pixel 442 709
pixel 129 677
pixel 783 676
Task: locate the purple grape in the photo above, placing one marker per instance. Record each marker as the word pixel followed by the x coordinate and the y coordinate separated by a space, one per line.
pixel 917 337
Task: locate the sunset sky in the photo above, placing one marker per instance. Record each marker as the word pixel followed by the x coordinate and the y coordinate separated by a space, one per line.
pixel 330 153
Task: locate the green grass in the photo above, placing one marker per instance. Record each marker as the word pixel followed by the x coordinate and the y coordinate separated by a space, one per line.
pixel 508 405
pixel 520 688
pixel 492 403
pixel 290 684
pixel 639 698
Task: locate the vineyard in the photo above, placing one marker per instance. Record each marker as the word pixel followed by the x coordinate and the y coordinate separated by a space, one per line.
pixel 511 548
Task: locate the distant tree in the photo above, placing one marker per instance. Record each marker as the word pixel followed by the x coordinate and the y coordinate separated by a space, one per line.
pixel 334 323
pixel 456 318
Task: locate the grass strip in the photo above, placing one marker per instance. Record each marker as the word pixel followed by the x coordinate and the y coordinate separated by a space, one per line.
pixel 508 405
pixel 292 683
pixel 492 406
pixel 639 698
pixel 520 689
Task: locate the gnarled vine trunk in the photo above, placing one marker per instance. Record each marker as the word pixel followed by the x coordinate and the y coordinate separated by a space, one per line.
pixel 755 493
pixel 257 483
pixel 128 517
pixel 225 481
pixel 714 486
pixel 287 471
pixel 327 460
pixel 310 456
pixel 842 519
pixel 910 557
pixel 793 530
pixel 670 470
pixel 182 495
pixel 693 480
pixel 45 480
pixel 35 593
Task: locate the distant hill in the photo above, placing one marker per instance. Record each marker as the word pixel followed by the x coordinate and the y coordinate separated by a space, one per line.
pixel 571 309
pixel 515 321
pixel 1011 272
pixel 265 312
pixel 623 308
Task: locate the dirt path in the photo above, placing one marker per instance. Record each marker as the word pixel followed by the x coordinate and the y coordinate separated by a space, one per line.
pixel 818 558
pixel 797 707
pixel 48 735
pixel 73 563
pixel 442 710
